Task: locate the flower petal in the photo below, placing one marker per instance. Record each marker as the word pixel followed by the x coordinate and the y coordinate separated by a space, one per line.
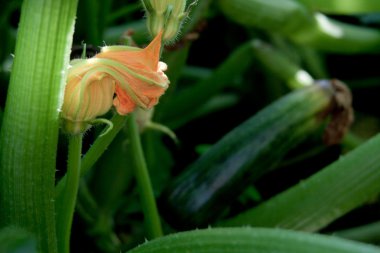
pixel 146 58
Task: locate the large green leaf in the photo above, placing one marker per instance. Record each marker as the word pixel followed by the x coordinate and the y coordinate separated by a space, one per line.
pixel 251 240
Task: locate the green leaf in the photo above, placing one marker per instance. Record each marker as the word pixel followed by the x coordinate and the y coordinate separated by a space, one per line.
pixel 112 175
pixel 251 240
pixel 329 194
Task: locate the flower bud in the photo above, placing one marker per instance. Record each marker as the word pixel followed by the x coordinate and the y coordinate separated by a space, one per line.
pixel 88 94
pixel 126 77
pixel 166 16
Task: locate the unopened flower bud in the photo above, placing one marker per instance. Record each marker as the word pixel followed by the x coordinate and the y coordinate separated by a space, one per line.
pixel 88 94
pixel 126 77
pixel 166 16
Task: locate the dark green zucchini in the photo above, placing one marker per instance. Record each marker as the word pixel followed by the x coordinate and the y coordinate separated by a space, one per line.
pixel 253 148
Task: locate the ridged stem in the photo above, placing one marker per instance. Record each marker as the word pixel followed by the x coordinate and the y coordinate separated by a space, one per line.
pixel 29 134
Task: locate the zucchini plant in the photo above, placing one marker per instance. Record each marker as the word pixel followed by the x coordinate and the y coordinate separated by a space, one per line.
pixel 123 123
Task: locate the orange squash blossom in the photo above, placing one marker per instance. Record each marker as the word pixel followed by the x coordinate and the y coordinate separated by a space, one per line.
pixel 123 76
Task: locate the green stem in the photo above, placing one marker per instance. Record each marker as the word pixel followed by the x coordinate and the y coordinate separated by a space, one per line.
pixel 152 218
pixel 69 194
pixel 343 6
pixel 29 134
pixel 101 144
pixel 96 150
pixel 283 67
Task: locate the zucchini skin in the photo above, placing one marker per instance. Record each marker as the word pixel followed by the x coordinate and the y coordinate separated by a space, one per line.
pixel 198 195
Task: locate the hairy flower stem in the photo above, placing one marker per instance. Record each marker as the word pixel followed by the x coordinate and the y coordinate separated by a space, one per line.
pixel 66 203
pixel 96 150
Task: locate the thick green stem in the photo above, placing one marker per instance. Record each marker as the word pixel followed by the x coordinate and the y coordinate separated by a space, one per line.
pixel 69 195
pixel 29 134
pixel 152 218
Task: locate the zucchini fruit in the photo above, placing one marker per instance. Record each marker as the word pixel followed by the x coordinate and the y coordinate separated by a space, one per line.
pixel 210 184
